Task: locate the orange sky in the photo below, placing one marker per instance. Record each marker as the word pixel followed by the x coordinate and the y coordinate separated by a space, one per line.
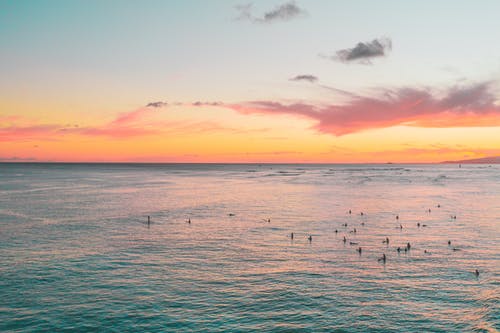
pixel 185 133
pixel 280 81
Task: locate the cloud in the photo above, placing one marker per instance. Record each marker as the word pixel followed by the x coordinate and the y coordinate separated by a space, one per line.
pixel 471 106
pixel 131 117
pixel 476 96
pixel 158 104
pixel 17 133
pixel 305 77
pixel 128 124
pixel 363 52
pixel 460 106
pixel 17 159
pixel 136 123
pixel 339 91
pixel 245 12
pixel 9 119
pixel 314 79
pixel 198 103
pixel 283 12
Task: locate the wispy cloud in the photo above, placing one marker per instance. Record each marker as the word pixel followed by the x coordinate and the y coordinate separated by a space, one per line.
pixel 460 106
pixel 198 103
pixel 314 79
pixel 363 52
pixel 125 125
pixel 305 77
pixel 29 132
pixel 158 104
pixel 128 125
pixel 130 118
pixel 283 12
pixel 471 106
pixel 17 159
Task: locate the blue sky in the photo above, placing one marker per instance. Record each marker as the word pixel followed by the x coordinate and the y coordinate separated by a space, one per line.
pixel 141 46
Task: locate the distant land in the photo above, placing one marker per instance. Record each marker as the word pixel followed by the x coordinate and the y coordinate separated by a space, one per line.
pixel 484 160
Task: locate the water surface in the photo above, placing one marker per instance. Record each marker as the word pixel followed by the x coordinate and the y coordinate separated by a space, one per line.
pixel 77 253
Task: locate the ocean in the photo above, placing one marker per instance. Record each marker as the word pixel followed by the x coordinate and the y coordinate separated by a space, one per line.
pixel 77 252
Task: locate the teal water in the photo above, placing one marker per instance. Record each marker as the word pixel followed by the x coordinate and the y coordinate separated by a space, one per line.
pixel 77 253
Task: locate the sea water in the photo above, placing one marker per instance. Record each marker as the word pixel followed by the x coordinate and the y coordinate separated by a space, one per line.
pixel 77 252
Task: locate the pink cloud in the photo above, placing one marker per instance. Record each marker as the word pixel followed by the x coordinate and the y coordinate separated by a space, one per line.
pixel 13 133
pixel 470 107
pixel 132 117
pixel 9 119
pixel 128 124
pixel 118 131
pixel 136 123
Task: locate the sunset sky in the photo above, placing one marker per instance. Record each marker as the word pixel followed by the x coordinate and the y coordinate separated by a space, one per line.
pixel 234 81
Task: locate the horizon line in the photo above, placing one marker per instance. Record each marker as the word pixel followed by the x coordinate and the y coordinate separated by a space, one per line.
pixel 229 163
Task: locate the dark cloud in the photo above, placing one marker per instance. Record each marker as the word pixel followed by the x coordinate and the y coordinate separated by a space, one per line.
pixel 477 96
pixel 284 12
pixel 245 12
pixel 156 104
pixel 305 77
pixel 364 52
pixel 198 103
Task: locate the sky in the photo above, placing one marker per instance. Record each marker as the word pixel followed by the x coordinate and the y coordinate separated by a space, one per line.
pixel 237 81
